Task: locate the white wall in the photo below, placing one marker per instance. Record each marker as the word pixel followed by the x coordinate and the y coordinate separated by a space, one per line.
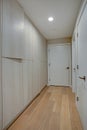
pixel 0 68
pixel 24 62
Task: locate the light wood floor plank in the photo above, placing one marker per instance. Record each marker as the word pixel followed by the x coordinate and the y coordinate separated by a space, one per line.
pixel 53 109
pixel 65 121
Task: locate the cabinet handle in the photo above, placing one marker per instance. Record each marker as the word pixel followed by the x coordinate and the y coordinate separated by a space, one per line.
pixel 83 78
pixel 14 58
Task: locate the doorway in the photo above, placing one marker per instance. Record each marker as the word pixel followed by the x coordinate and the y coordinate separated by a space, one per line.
pixel 59 64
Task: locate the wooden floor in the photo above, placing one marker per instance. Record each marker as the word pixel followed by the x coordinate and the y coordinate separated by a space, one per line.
pixel 53 109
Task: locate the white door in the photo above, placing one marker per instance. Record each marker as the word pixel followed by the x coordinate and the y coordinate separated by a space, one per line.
pixel 82 62
pixel 59 65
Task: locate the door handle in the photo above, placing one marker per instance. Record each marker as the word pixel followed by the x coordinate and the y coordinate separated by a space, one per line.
pixel 83 78
pixel 67 68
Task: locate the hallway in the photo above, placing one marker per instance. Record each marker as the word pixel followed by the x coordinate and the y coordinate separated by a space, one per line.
pixel 43 43
pixel 53 109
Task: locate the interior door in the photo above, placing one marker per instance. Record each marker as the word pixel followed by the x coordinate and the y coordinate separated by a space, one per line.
pixel 82 62
pixel 59 65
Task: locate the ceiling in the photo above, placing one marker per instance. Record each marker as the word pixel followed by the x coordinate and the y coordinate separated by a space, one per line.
pixel 64 13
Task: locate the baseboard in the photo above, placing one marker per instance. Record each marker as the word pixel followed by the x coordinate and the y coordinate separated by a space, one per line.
pixel 59 86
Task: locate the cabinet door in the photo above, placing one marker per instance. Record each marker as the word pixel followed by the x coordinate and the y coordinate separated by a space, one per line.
pixel 36 78
pixel 12 90
pixel 27 82
pixel 43 74
pixel 13 29
pixel 28 38
pixel 35 42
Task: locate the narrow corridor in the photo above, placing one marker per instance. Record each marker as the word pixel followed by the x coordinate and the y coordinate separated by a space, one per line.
pixel 53 109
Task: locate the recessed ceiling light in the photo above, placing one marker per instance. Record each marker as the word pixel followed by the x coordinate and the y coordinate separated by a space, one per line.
pixel 50 19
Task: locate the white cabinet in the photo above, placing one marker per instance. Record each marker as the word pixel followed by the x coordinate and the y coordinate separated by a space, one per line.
pixel 43 74
pixel 23 62
pixel 13 96
pixel 27 81
pixel 39 62
pixel 36 78
pixel 36 62
pixel 28 52
pixel 13 29
pixel 17 87
pixel 35 42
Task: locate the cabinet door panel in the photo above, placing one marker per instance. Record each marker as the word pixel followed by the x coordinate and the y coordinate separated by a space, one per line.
pixel 27 82
pixel 28 38
pixel 35 43
pixel 43 74
pixel 36 78
pixel 12 90
pixel 13 29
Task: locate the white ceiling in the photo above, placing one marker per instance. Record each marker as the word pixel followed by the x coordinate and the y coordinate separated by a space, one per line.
pixel 63 11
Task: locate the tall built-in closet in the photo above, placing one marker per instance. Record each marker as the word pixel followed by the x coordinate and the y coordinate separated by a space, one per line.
pixel 24 61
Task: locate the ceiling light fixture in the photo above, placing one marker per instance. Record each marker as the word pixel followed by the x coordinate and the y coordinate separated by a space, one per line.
pixel 50 19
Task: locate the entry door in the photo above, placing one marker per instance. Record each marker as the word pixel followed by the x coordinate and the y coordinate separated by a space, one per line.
pixel 82 62
pixel 59 65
